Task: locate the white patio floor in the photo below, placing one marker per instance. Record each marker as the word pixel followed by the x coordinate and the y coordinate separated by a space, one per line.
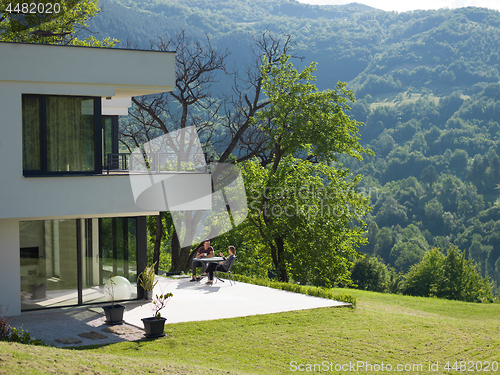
pixel 191 301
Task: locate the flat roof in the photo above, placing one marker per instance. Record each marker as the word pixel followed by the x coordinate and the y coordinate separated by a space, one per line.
pixel 126 72
pixel 70 45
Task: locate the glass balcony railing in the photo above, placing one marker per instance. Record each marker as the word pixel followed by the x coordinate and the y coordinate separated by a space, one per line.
pixel 174 162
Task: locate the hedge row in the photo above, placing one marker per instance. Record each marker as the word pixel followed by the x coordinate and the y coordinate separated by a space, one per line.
pixel 296 288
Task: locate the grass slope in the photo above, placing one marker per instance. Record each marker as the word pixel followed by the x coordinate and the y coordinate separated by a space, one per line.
pixel 384 328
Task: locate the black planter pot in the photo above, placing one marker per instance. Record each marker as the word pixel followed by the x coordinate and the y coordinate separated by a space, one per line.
pixel 114 315
pixel 154 327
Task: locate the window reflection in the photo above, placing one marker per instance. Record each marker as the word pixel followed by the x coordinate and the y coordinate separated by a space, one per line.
pixel 50 266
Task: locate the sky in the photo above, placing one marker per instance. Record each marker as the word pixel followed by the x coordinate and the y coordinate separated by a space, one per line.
pixel 407 5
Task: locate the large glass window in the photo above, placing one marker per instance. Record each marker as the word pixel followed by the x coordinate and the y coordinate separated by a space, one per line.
pixel 31 134
pixel 61 134
pixel 48 263
pixel 117 237
pixel 110 142
pixel 68 262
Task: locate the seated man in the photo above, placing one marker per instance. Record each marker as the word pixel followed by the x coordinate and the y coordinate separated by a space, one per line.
pixel 205 251
pixel 221 266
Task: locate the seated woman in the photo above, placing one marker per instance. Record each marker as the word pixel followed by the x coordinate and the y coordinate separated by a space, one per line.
pixel 221 266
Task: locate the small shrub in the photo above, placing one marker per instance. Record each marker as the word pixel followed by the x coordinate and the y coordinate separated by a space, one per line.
pixel 4 327
pixel 13 334
pixel 160 302
pixel 21 336
pixel 146 278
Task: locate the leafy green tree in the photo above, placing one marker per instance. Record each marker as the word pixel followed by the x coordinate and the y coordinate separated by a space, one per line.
pixel 478 252
pixel 424 278
pixel 302 125
pixel 383 144
pixel 494 253
pixel 432 135
pixel 449 105
pixel 418 143
pixel 497 271
pixel 404 254
pixel 450 277
pixel 413 234
pixel 253 257
pixel 160 228
pixel 429 175
pixel 460 281
pixel 477 171
pixel 408 193
pixel 59 26
pixel 434 216
pixel 369 273
pixel 298 212
pixel 383 245
pixel 405 131
pixel 373 230
pixel 449 194
pixel 459 161
pixel 390 212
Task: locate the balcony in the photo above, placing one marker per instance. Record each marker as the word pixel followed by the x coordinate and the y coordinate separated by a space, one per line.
pixel 157 163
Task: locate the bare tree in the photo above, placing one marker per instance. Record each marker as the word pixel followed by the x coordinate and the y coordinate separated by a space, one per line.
pixel 244 139
pixel 193 103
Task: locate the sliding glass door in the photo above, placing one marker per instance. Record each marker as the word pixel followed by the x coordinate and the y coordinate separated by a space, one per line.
pixel 68 262
pixel 110 249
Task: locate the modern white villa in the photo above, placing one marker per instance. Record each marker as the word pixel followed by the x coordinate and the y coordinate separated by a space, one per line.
pixel 67 221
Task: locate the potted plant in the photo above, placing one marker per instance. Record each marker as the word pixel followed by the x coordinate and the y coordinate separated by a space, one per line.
pixel 154 326
pixel 113 312
pixel 146 280
pixel 38 289
pixel 38 285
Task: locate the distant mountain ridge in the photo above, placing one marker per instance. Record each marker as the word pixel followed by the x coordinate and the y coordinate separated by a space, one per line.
pixel 350 42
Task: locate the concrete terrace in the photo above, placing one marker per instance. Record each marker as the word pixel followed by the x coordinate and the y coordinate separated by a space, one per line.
pixel 85 325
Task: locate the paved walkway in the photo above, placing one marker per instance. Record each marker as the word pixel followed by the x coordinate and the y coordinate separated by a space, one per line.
pixel 85 325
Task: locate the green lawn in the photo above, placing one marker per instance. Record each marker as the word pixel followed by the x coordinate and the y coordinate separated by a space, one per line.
pixel 384 329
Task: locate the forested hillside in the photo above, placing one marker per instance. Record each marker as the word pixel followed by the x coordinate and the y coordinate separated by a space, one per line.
pixel 428 91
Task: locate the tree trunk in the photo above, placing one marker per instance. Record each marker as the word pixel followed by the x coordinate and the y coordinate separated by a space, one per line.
pixel 181 257
pixel 277 244
pixel 278 256
pixel 175 246
pixel 159 234
pixel 185 258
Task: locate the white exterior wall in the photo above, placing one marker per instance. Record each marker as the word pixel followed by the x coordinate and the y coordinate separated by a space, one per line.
pixel 62 70
pixel 75 196
pixel 10 271
pixel 116 106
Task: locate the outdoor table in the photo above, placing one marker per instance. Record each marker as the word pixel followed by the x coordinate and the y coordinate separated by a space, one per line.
pixel 211 260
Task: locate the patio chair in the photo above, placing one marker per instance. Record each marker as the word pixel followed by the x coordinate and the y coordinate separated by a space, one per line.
pixel 228 271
